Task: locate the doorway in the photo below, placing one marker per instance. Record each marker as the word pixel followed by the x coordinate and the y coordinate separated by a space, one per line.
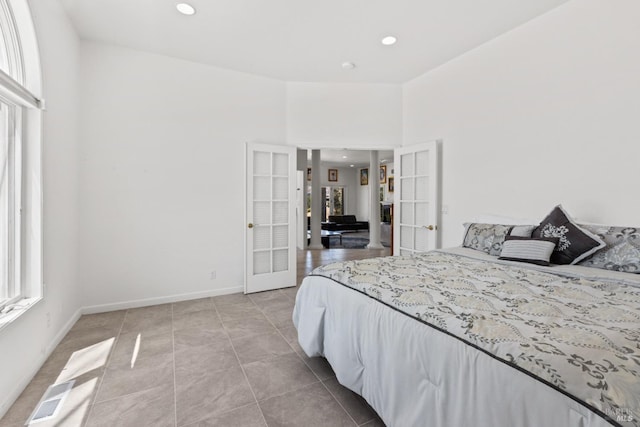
pixel 270 241
pixel 345 196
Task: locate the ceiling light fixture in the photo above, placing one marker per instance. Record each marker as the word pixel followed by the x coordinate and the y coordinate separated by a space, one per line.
pixel 344 157
pixel 348 65
pixel 351 166
pixel 389 40
pixel 185 9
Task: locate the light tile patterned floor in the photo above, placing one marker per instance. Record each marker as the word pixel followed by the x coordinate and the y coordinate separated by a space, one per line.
pixel 231 360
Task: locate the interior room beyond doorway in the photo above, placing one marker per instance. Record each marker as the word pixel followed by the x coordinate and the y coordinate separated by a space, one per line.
pixel 345 182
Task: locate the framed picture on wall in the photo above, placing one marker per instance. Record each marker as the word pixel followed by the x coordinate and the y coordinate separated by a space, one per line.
pixel 391 182
pixel 333 175
pixel 364 176
pixel 383 174
pixel 308 174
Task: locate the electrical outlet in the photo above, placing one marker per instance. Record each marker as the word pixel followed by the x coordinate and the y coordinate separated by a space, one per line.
pixel 445 209
pixel 212 276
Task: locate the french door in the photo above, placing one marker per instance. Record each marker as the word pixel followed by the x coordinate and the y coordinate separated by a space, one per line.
pixel 270 213
pixel 416 204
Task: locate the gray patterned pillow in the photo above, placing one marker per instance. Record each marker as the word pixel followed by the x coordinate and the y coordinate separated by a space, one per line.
pixel 622 250
pixel 490 237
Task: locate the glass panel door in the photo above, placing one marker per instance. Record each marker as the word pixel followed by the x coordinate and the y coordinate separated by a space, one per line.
pixel 416 218
pixel 270 217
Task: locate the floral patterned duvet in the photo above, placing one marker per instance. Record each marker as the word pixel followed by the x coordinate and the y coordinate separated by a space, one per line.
pixel 579 335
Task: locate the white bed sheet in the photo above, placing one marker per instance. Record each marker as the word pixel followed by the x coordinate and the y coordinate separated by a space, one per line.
pixel 415 375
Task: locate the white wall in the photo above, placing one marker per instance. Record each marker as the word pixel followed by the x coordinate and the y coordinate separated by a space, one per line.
pixel 344 115
pixel 162 193
pixel 545 114
pixel 27 341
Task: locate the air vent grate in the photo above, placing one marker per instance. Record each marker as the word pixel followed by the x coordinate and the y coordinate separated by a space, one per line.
pixel 51 402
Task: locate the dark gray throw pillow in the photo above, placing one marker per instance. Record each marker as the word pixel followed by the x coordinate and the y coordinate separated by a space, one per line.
pixel 575 243
pixel 622 250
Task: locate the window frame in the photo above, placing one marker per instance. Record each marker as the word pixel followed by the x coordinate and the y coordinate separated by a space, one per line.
pixel 24 284
pixel 15 286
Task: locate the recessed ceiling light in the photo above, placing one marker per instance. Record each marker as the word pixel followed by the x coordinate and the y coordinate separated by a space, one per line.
pixel 185 9
pixel 389 40
pixel 351 166
pixel 344 157
pixel 348 65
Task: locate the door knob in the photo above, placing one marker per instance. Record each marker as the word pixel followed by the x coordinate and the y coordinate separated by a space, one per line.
pixel 250 225
pixel 430 227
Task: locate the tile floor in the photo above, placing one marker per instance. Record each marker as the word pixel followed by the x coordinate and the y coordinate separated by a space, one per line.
pixel 230 360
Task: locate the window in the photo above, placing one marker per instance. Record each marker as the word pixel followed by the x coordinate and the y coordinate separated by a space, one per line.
pixel 20 171
pixel 10 288
pixel 336 205
pixel 333 198
pixel 332 201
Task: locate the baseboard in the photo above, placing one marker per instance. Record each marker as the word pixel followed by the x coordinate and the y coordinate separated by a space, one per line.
pixel 60 335
pixel 11 398
pixel 92 309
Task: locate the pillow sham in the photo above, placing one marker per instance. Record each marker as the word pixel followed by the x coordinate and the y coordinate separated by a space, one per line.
pixel 489 237
pixel 501 219
pixel 622 250
pixel 528 249
pixel 575 243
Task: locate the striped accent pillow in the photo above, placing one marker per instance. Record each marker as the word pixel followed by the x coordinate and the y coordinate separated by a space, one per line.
pixel 528 249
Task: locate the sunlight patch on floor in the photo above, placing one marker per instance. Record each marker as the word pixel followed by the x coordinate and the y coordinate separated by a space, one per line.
pixel 136 349
pixel 86 360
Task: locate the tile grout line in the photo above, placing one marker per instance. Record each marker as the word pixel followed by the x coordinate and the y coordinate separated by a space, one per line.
pixel 306 364
pixel 95 396
pixel 340 404
pixel 289 391
pixel 225 412
pixel 175 386
pixel 246 378
pixel 319 380
pixel 175 383
pixel 289 344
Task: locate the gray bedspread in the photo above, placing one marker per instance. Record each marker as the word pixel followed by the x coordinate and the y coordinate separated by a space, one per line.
pixel 577 334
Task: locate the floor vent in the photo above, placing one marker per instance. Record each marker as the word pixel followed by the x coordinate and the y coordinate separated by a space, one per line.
pixel 51 402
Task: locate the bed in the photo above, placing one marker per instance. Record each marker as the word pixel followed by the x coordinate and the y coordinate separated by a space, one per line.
pixel 460 338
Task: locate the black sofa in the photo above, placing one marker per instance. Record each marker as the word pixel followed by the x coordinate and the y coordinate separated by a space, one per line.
pixel 344 223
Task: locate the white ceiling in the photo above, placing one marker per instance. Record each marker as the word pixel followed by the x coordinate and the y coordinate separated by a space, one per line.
pixel 303 40
pixel 346 158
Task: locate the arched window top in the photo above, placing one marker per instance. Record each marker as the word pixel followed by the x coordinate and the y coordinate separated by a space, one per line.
pixel 11 58
pixel 20 77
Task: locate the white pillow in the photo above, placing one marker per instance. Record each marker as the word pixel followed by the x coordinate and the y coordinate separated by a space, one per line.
pixel 505 220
